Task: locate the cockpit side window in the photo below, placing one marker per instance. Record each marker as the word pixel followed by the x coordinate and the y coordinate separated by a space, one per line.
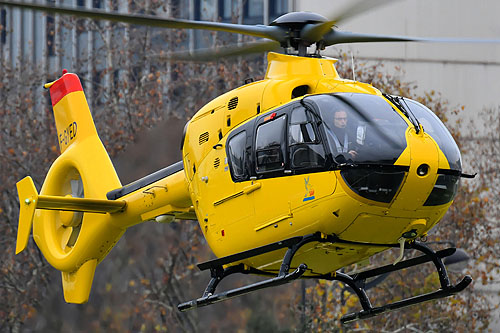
pixel 269 146
pixel 306 150
pixel 236 153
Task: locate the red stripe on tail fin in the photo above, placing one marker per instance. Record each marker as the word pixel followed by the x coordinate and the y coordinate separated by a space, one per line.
pixel 68 83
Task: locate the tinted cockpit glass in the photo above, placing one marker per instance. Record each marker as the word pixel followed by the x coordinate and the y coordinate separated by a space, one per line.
pixel 361 128
pixel 236 153
pixel 269 145
pixel 306 151
pixel 435 128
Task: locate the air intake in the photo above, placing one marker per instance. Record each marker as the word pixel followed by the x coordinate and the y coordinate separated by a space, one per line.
pixel 233 103
pixel 203 138
pixel 216 162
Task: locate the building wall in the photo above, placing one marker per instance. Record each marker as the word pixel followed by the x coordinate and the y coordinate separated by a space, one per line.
pixel 465 74
pixel 37 38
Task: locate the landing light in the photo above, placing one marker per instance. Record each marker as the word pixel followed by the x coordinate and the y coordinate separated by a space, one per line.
pixel 422 170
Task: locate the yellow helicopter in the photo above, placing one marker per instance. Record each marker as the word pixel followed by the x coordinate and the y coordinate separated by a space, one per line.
pixel 294 176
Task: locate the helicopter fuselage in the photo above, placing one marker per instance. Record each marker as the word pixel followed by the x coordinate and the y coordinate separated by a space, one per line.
pixel 246 196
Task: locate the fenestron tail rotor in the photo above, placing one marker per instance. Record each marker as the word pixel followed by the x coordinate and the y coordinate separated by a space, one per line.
pixel 75 224
pixel 77 218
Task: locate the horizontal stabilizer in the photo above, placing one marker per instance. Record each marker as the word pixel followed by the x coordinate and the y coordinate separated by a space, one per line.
pixel 80 204
pixel 29 200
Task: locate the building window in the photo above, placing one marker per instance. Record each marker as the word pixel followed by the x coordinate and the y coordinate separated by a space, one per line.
pixel 3 26
pixel 204 10
pixel 277 8
pixel 50 30
pixel 178 10
pixel 228 11
pixel 253 11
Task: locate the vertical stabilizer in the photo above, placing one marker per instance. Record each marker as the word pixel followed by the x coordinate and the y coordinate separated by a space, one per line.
pixel 74 122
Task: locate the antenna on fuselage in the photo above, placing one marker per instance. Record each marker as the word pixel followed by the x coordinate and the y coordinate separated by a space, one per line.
pixel 352 64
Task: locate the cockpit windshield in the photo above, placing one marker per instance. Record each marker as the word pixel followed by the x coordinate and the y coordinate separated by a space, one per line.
pixel 361 128
pixel 435 128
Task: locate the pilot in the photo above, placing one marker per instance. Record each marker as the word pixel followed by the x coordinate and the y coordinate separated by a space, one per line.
pixel 343 144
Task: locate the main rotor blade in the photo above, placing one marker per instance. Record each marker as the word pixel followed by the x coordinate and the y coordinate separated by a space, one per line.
pixel 358 7
pixel 263 31
pixel 210 54
pixel 313 33
pixel 340 37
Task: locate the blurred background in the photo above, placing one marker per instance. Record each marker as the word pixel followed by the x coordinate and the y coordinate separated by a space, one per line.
pixel 140 102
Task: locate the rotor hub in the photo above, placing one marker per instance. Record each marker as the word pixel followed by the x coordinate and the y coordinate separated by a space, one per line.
pixel 294 22
pixel 298 19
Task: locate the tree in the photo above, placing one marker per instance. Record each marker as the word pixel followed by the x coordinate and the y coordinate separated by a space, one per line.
pixel 139 284
pixel 467 224
pixel 129 92
pixel 27 147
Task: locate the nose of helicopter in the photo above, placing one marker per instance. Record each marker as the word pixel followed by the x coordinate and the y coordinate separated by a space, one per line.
pixel 423 156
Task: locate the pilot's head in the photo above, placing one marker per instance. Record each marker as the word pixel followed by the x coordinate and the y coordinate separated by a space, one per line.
pixel 340 119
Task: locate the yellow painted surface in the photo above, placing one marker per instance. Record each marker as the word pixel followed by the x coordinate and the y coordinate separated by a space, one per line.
pixel 233 217
pixel 77 285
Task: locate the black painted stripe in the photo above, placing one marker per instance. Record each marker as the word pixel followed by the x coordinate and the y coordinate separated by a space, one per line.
pixel 145 181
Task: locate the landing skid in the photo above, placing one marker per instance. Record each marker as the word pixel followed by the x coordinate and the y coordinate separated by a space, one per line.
pixel 218 272
pixel 356 282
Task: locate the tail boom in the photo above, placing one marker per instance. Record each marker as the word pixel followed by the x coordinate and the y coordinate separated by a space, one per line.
pixel 74 224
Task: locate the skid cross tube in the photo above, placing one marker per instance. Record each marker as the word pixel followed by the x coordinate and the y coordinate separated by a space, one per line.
pixel 443 275
pixel 356 283
pixel 348 280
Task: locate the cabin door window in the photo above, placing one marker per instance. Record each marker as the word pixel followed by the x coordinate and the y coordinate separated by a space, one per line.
pixel 236 152
pixel 269 147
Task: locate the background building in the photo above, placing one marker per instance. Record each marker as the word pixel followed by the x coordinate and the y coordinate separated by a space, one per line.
pixel 50 42
pixel 465 74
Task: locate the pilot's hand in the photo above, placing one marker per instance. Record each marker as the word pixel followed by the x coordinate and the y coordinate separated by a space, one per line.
pixel 353 153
